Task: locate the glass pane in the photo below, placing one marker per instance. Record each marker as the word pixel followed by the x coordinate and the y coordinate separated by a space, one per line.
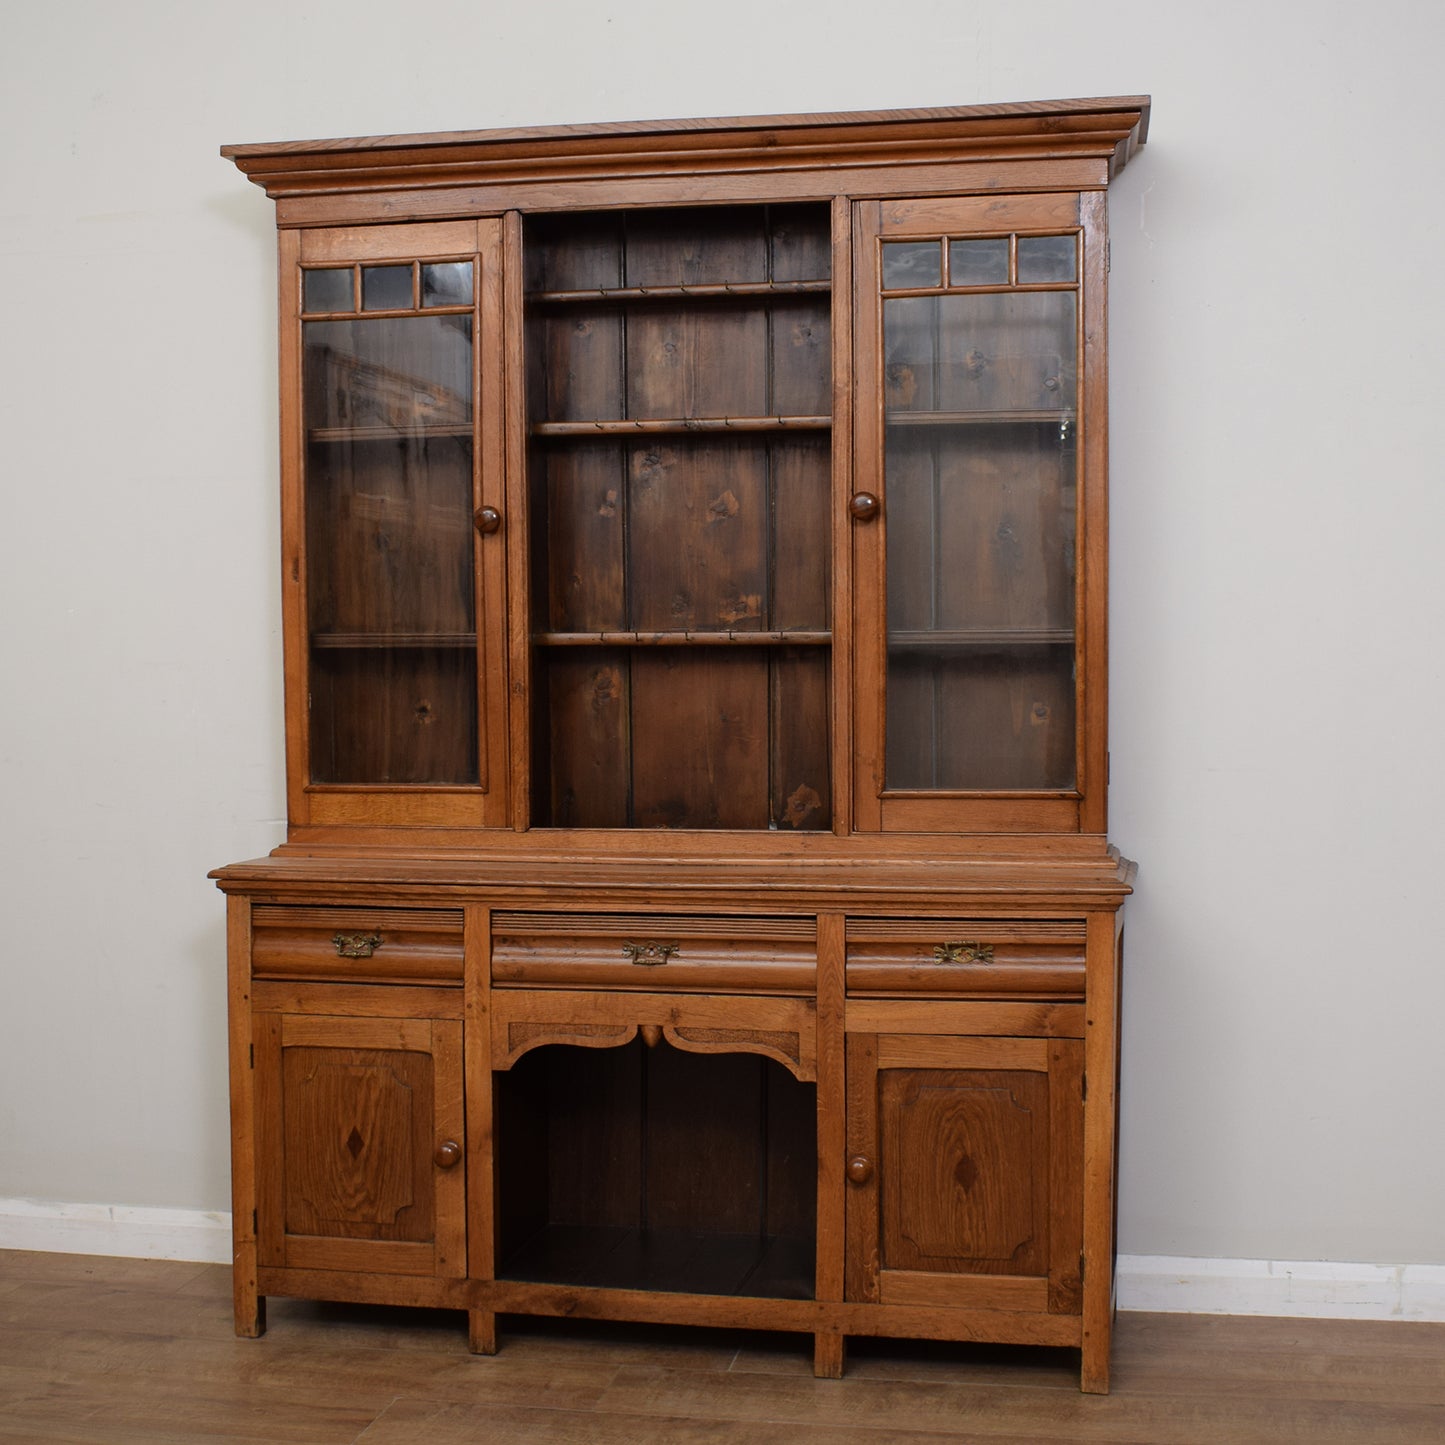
pixel 386 288
pixel 910 353
pixel 1047 258
pixel 389 542
pixel 908 265
pixel 980 486
pixel 1006 352
pixel 447 283
pixel 978 263
pixel 329 290
pixel 986 719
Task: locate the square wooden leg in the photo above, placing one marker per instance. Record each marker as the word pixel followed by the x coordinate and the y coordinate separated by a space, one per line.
pixel 250 1310
pixel 828 1353
pixel 482 1332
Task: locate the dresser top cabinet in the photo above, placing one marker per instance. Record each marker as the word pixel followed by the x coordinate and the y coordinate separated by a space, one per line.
pixel 726 487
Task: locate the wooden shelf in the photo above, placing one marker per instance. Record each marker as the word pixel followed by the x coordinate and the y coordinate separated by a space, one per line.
pixel 413 430
pixel 677 425
pixel 682 639
pixel 928 640
pixel 380 641
pixel 979 418
pixel 731 291
pixel 685 1261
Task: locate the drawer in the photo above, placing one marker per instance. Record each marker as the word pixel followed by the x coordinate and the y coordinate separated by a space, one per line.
pixel 653 951
pixel 389 945
pixel 961 957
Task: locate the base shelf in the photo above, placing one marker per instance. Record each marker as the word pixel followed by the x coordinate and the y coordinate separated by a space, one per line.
pixel 674 1261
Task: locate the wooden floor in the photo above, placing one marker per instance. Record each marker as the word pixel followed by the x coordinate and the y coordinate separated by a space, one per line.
pixel 98 1349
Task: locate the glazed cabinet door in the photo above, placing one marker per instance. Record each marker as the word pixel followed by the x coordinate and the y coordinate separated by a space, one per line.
pixel 978 517
pixel 965 1172
pixel 360 1139
pixel 393 575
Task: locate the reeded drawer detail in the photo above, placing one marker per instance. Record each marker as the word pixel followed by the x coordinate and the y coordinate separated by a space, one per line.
pixel 651 951
pixel 962 957
pixel 399 945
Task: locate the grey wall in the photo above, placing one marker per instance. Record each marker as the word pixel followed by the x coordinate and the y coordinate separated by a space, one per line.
pixel 1277 671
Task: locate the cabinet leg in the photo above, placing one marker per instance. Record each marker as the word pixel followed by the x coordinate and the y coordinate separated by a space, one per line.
pixel 828 1356
pixel 250 1312
pixel 482 1332
pixel 1094 1365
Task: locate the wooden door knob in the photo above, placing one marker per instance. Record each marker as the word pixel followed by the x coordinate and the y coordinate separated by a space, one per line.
pixel 449 1153
pixel 487 520
pixel 864 506
pixel 860 1170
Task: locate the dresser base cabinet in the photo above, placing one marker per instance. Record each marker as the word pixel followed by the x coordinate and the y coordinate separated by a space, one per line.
pixel 879 1161
pixel 696 904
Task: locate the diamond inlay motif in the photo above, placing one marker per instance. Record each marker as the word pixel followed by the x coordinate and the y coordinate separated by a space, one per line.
pixel 355 1143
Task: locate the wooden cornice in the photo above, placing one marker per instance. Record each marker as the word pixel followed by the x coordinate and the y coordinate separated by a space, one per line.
pixel 1106 130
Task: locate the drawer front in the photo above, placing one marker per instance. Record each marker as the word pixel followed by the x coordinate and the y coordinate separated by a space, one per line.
pixel 389 945
pixel 652 952
pixel 961 957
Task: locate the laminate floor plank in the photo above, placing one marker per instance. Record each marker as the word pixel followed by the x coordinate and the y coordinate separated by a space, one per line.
pixel 319 1371
pixel 1035 1367
pixel 419 1422
pixel 1385 1361
pixel 110 1409
pixel 556 1340
pixel 128 1352
pixel 163 1276
pixel 1043 1415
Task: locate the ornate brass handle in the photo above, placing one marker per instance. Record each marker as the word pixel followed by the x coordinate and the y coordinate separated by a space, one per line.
pixel 963 953
pixel 356 945
pixel 650 954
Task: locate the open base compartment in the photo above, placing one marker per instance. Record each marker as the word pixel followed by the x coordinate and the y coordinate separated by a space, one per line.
pixel 655 1169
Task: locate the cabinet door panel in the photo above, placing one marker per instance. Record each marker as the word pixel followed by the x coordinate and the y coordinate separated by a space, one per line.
pixel 351 1112
pixel 967 1155
pixel 965 1171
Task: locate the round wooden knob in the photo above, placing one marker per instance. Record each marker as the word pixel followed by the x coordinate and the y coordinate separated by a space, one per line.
pixel 860 1170
pixel 488 520
pixel 864 506
pixel 449 1153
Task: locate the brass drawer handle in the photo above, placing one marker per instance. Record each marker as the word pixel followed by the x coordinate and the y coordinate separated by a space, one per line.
pixel 356 945
pixel 650 954
pixel 963 952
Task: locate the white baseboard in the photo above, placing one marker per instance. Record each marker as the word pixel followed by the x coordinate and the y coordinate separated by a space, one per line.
pixel 1328 1289
pixel 1324 1289
pixel 113 1229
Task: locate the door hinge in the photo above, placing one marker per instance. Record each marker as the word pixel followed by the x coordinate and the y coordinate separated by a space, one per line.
pixel 1108 260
